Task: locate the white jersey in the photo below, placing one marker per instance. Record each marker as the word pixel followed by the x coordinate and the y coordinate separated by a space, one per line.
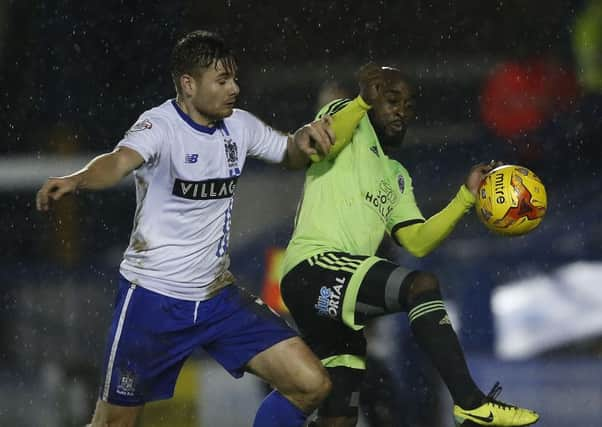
pixel 184 195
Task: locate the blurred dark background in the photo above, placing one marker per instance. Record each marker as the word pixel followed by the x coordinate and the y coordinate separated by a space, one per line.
pixel 511 80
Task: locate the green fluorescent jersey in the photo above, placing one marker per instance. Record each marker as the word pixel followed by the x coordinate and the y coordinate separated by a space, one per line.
pixel 350 201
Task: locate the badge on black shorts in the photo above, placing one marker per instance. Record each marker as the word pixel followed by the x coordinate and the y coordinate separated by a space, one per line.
pixel 330 299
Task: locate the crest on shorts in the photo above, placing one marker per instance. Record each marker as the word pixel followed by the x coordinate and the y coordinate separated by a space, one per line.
pixel 127 383
pixel 401 182
pixel 142 125
pixel 231 152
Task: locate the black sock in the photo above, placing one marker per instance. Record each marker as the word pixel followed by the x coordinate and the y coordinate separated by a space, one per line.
pixel 434 333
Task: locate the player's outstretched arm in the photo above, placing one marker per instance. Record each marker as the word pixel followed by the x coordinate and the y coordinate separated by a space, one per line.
pixel 101 172
pixel 421 239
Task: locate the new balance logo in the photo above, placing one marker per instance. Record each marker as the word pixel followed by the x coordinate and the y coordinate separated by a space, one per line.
pixel 374 150
pixel 191 158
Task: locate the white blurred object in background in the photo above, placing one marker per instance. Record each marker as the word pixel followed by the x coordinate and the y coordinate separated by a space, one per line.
pixel 546 312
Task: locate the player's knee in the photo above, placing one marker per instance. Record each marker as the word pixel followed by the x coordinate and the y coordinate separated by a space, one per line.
pixel 420 284
pixel 316 387
pixel 311 389
pixel 324 388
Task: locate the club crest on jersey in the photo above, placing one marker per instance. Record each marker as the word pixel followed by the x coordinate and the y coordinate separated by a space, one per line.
pixel 231 152
pixel 142 125
pixel 401 182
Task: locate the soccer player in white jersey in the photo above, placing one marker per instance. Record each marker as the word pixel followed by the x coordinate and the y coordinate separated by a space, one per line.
pixel 175 290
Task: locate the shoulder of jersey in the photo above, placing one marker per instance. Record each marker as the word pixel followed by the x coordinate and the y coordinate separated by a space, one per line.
pixel 333 107
pixel 165 108
pixel 241 117
pixel 239 114
pixel 164 115
pixel 161 112
pixel 402 169
pixel 153 119
pixel 396 163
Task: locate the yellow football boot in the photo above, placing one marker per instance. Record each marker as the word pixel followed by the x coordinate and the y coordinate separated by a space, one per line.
pixel 494 413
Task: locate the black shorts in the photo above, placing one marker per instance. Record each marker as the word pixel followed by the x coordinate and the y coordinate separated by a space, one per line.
pixel 321 294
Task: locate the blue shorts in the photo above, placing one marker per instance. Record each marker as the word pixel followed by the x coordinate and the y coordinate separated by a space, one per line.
pixel 151 336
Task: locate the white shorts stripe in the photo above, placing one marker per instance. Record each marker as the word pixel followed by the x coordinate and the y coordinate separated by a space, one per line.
pixel 196 310
pixel 105 391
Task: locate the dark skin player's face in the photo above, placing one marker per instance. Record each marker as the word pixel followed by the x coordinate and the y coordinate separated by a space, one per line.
pixel 393 110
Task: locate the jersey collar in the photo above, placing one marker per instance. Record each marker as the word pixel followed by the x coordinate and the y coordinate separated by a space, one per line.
pixel 195 125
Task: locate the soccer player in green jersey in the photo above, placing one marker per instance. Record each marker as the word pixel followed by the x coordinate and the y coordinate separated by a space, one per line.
pixel 334 284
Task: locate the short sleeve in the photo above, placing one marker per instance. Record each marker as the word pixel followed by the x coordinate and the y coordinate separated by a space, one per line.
pixel 264 142
pixel 406 211
pixel 145 137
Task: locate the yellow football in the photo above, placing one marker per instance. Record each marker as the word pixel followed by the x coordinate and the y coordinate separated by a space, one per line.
pixel 511 200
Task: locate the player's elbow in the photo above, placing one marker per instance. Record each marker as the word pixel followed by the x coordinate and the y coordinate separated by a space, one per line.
pixel 419 251
pixel 413 247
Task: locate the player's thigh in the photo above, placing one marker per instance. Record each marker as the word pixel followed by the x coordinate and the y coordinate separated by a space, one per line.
pixel 150 337
pixel 315 292
pixel 352 289
pixel 325 287
pixel 114 415
pixel 291 367
pixel 381 290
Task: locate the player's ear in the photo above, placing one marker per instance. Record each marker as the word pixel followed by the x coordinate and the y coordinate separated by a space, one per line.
pixel 188 84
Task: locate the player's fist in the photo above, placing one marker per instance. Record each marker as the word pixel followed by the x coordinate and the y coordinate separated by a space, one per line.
pixel 315 139
pixel 370 80
pixel 54 188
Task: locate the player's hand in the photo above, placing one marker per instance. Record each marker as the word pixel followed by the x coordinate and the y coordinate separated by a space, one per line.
pixel 53 189
pixel 477 173
pixel 370 81
pixel 316 138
